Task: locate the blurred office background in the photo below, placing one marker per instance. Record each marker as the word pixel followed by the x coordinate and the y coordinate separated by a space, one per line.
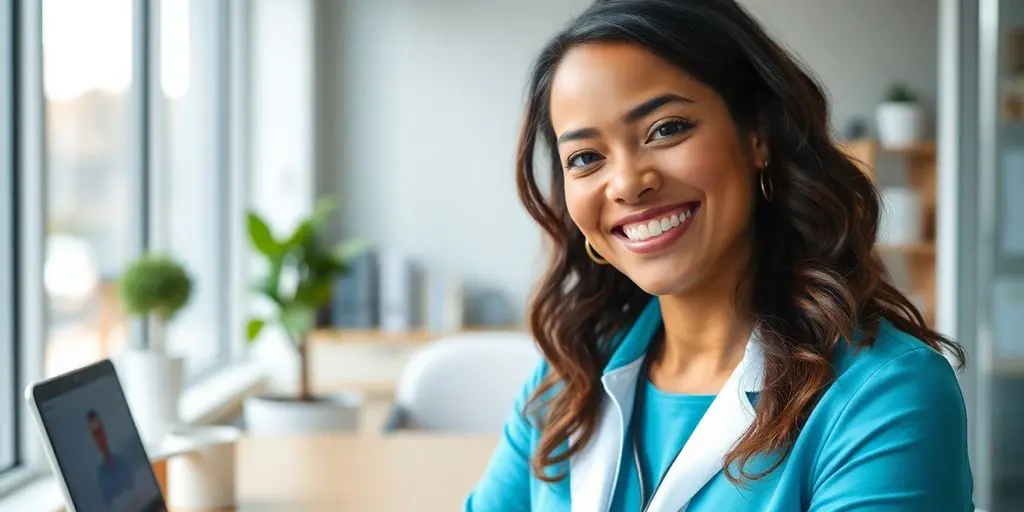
pixel 135 126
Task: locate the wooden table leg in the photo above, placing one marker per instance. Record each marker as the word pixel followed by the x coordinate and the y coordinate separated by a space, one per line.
pixel 160 470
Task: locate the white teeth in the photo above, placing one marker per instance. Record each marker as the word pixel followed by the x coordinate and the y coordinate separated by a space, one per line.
pixel 656 227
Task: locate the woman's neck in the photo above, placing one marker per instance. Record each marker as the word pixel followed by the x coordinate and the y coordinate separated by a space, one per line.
pixel 701 348
pixel 705 337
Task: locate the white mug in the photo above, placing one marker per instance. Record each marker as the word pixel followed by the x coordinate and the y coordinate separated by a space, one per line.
pixel 202 475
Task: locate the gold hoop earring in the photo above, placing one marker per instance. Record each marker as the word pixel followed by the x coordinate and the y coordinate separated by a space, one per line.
pixel 767 187
pixel 593 254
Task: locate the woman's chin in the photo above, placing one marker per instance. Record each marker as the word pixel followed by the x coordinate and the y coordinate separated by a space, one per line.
pixel 665 282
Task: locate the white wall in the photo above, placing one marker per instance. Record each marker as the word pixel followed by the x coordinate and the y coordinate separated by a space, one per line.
pixel 421 101
pixel 859 47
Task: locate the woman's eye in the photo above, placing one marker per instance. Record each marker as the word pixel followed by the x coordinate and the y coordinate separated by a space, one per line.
pixel 583 159
pixel 670 128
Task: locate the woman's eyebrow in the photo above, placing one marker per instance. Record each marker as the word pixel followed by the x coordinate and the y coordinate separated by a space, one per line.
pixel 582 133
pixel 636 113
pixel 642 110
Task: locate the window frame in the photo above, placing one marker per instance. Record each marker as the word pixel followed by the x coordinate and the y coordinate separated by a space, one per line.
pixel 9 396
pixel 27 225
pixel 239 21
pixel 147 174
pixel 24 182
pixel 231 44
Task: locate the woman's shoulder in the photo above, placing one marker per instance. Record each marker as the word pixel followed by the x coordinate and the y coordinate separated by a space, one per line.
pixel 534 382
pixel 892 352
pixel 894 405
pixel 898 370
pixel 537 376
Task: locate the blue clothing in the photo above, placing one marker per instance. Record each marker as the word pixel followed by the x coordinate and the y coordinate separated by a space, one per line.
pixel 662 426
pixel 890 434
pixel 114 478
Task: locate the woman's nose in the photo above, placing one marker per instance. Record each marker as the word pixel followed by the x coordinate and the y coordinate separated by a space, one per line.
pixel 631 181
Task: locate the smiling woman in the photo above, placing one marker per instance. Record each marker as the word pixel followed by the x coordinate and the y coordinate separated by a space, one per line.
pixel 718 331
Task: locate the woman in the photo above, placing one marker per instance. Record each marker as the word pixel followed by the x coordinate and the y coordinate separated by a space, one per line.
pixel 718 331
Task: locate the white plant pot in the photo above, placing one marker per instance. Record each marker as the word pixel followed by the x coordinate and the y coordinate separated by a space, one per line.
pixel 152 386
pixel 900 222
pixel 286 416
pixel 899 124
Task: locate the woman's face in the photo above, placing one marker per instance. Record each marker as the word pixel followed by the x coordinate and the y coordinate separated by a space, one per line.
pixel 657 175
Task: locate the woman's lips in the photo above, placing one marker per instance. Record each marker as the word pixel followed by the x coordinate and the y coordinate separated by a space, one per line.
pixel 651 236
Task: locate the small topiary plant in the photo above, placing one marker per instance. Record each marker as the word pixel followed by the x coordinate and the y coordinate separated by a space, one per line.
pixel 155 287
pixel 900 93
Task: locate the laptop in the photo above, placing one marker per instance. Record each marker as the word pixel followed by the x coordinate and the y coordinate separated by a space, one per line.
pixel 92 443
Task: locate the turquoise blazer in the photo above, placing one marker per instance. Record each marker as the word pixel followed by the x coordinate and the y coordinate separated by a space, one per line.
pixel 890 434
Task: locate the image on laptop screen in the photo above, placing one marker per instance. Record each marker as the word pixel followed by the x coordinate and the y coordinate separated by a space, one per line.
pixel 98 448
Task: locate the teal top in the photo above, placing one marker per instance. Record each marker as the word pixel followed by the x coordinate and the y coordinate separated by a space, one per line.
pixel 661 426
pixel 889 434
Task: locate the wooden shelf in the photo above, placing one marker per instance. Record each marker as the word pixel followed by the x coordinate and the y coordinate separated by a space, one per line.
pixel 919 156
pixel 412 336
pixel 923 249
pixel 920 149
pixel 919 258
pixel 863 152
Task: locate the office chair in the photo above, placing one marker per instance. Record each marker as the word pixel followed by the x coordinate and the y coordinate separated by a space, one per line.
pixel 465 383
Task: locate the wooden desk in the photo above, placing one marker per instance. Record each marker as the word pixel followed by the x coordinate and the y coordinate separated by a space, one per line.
pixel 402 472
pixel 369 362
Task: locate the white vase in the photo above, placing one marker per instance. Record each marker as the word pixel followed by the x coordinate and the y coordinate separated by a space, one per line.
pixel 286 416
pixel 152 386
pixel 899 124
pixel 900 222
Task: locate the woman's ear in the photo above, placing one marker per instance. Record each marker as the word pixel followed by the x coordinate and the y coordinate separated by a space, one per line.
pixel 759 147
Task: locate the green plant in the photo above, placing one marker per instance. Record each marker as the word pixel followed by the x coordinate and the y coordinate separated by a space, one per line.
pixel 299 278
pixel 156 287
pixel 900 93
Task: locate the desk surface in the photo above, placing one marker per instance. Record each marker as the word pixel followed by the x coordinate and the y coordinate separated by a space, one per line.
pixel 400 472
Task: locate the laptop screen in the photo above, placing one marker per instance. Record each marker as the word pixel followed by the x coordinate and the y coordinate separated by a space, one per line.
pixel 96 444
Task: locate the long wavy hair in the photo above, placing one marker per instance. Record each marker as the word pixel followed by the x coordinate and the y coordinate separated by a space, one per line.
pixel 816 278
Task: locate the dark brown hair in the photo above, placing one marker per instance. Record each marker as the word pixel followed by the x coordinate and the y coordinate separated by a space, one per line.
pixel 816 277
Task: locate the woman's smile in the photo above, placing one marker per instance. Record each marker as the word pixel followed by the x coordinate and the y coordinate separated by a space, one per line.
pixel 656 230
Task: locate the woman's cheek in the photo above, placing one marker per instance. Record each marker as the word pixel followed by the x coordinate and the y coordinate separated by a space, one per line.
pixel 584 208
pixel 696 163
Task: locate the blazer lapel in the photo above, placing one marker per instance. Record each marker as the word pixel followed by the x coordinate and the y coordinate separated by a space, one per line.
pixel 728 417
pixel 595 468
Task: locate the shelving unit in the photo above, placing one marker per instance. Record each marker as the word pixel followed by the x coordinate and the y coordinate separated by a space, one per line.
pixel 919 257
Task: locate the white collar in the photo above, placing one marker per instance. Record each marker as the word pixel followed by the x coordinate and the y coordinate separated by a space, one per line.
pixel 595 469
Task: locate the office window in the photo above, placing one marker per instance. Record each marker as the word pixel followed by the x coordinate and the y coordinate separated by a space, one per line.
pixel 87 77
pixel 8 353
pixel 191 146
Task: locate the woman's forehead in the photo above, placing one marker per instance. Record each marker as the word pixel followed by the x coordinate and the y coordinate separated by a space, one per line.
pixel 595 81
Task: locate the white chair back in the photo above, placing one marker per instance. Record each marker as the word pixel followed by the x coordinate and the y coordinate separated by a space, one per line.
pixel 466 383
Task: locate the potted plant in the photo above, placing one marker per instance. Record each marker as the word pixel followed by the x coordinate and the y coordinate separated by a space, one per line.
pixel 299 279
pixel 154 288
pixel 900 118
